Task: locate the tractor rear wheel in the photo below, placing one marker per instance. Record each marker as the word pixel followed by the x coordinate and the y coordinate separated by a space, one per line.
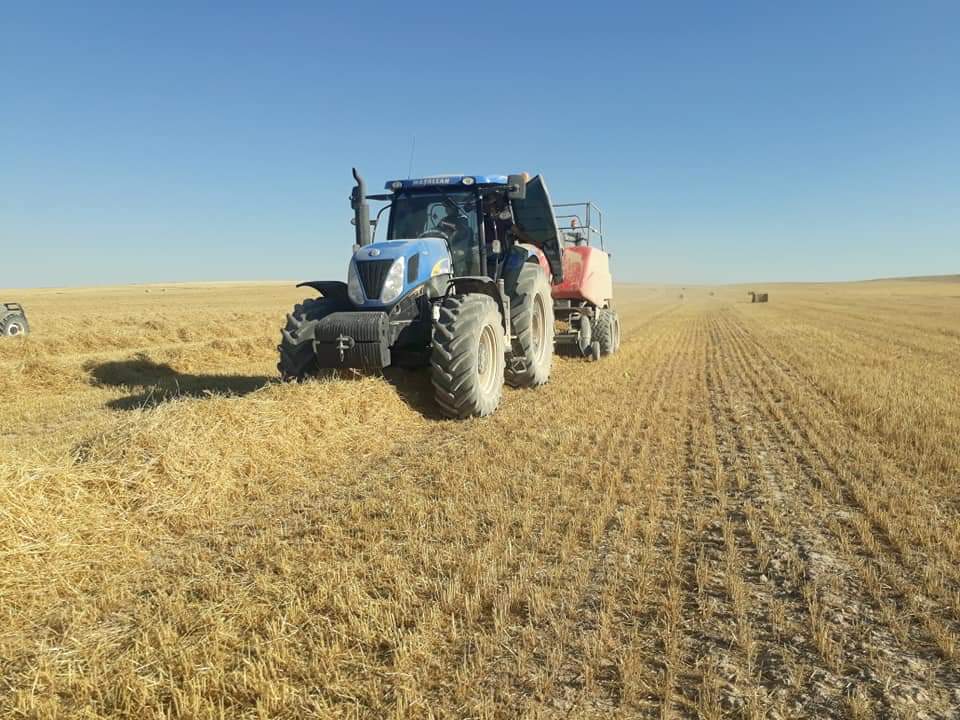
pixel 531 319
pixel 14 323
pixel 297 358
pixel 467 358
pixel 607 331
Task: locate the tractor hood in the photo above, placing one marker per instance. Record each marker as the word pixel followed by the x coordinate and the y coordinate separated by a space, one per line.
pixel 534 216
pixel 383 273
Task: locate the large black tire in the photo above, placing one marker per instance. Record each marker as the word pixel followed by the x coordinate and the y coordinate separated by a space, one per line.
pixel 606 331
pixel 297 359
pixel 467 358
pixel 14 323
pixel 586 335
pixel 531 320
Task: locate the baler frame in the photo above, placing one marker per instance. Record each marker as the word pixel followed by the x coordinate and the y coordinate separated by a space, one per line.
pixel 581 316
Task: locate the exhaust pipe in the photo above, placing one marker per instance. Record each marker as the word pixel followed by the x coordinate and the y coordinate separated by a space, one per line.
pixel 361 210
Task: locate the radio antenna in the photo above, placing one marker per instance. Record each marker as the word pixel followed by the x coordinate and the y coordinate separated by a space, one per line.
pixel 413 147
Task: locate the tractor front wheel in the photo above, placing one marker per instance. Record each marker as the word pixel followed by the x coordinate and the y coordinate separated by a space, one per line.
pixel 297 358
pixel 467 358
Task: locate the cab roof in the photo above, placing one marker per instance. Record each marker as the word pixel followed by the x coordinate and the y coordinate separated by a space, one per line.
pixel 445 181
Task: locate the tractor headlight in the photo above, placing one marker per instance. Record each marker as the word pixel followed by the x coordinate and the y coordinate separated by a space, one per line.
pixel 467 181
pixel 393 285
pixel 354 289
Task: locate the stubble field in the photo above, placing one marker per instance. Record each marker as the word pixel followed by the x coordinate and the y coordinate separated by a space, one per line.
pixel 751 511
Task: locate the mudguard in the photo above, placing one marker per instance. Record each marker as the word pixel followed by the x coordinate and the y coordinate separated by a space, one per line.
pixel 486 286
pixel 333 289
pixel 520 255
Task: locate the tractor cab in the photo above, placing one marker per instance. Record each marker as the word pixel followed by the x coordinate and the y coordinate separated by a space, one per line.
pixel 434 213
pixel 478 217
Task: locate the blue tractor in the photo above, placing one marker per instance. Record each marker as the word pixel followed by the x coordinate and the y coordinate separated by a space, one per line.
pixel 462 284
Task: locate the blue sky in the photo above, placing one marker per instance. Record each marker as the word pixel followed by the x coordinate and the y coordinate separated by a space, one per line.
pixel 725 141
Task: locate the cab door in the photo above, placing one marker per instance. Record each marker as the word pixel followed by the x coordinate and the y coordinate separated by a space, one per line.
pixel 534 216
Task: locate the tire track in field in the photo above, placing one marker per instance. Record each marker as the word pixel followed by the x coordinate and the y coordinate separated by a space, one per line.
pixel 906 446
pixel 888 473
pixel 586 545
pixel 911 553
pixel 666 434
pixel 588 679
pixel 877 329
pixel 892 662
pixel 702 671
pixel 647 615
pixel 676 637
pixel 603 666
pixel 882 566
pixel 596 682
pixel 801 612
pixel 763 684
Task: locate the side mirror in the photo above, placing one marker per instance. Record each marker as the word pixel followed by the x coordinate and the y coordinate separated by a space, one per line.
pixel 518 186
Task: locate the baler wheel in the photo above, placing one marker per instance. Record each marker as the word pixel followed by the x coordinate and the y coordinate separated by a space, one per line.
pixel 13 324
pixel 297 358
pixel 606 331
pixel 586 335
pixel 531 317
pixel 468 356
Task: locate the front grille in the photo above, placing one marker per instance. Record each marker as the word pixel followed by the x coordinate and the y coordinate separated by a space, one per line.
pixel 373 273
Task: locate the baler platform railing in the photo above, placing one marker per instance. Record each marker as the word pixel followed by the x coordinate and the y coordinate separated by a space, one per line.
pixel 589 220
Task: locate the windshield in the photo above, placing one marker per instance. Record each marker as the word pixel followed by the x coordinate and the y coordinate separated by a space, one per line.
pixel 451 216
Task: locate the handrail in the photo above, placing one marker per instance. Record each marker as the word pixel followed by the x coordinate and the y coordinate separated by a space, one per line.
pixel 591 212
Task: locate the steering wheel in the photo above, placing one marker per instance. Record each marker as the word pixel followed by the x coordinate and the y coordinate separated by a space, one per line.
pixel 434 233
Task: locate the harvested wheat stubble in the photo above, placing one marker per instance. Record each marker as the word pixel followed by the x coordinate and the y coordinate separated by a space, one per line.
pixel 749 512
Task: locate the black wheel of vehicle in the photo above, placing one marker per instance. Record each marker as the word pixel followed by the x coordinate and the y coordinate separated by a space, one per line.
pixel 14 324
pixel 531 320
pixel 586 335
pixel 595 350
pixel 467 359
pixel 616 330
pixel 605 331
pixel 297 359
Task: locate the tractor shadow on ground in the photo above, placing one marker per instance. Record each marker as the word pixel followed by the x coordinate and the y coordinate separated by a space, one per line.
pixel 159 383
pixel 413 386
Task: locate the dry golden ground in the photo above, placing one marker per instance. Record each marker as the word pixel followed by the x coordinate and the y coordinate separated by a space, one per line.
pixel 751 511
